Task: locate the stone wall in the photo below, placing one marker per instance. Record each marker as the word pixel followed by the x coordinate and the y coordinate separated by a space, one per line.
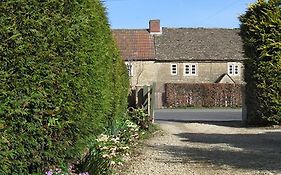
pixel 143 73
pixel 207 72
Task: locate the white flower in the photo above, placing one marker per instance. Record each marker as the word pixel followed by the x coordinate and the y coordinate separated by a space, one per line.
pixel 102 138
pixel 116 139
pixel 125 147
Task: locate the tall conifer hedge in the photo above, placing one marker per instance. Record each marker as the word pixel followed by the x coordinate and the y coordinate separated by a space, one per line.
pixel 61 81
pixel 261 32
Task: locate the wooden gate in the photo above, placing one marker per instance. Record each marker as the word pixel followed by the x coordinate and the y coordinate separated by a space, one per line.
pixel 143 97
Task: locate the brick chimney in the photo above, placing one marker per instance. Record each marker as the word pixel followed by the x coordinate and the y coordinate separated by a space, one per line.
pixel 154 26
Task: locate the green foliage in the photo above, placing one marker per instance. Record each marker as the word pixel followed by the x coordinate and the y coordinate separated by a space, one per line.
pixel 59 71
pixel 128 132
pixel 140 117
pixel 107 150
pixel 261 33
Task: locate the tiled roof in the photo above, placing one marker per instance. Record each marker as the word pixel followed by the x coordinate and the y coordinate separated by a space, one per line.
pixel 198 44
pixel 135 44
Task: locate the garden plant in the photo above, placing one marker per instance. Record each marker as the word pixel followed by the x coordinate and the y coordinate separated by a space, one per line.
pixel 261 33
pixel 62 82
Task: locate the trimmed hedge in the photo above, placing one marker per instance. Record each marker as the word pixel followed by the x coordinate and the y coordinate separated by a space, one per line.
pixel 261 33
pixel 203 95
pixel 62 81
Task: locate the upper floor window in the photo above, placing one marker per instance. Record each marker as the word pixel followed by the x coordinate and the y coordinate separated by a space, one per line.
pixel 190 69
pixel 130 69
pixel 233 69
pixel 174 69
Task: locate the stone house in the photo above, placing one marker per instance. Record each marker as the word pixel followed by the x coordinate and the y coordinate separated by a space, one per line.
pixel 180 55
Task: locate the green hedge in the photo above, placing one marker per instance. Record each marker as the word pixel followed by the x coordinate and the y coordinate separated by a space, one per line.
pixel 261 32
pixel 59 71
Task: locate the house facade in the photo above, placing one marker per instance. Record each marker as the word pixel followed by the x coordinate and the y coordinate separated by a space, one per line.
pixel 181 55
pixel 137 48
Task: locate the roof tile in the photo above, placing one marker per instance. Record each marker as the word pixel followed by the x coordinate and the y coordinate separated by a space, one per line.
pixel 199 44
pixel 135 44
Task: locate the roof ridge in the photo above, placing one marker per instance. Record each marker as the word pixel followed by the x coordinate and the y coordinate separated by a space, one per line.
pixel 200 28
pixel 129 29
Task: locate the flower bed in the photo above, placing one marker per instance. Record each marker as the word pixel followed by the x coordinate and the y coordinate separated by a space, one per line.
pixel 107 150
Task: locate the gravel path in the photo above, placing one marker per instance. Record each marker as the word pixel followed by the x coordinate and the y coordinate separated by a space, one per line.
pixel 213 149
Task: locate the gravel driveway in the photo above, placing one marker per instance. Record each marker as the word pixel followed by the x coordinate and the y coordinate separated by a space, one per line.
pixel 214 148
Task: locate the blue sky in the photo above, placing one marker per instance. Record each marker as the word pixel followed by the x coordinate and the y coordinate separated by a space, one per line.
pixel 135 14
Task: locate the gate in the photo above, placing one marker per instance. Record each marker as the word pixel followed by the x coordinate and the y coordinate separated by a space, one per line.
pixel 143 96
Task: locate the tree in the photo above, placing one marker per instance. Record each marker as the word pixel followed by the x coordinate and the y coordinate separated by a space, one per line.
pixel 58 72
pixel 261 33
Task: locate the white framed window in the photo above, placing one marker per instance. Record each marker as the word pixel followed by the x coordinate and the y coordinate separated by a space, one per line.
pixel 130 69
pixel 174 69
pixel 190 69
pixel 233 69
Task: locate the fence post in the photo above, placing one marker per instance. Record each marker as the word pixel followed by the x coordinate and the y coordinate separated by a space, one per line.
pixel 244 107
pixel 145 98
pixel 152 104
pixel 149 100
pixel 137 96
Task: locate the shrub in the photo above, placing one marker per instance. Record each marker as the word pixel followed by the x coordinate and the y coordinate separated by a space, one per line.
pixel 107 150
pixel 59 73
pixel 102 154
pixel 140 117
pixel 128 132
pixel 203 95
pixel 261 33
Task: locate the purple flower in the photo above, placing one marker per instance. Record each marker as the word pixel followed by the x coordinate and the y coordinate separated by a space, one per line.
pixel 50 172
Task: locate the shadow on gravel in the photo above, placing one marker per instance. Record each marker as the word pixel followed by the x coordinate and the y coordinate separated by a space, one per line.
pixel 245 151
